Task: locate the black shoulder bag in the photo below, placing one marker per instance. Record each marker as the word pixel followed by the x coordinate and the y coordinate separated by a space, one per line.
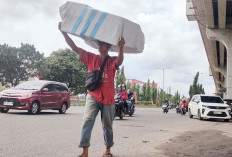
pixel 94 78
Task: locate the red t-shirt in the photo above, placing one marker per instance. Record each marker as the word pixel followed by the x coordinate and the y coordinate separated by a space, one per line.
pixel 124 96
pixel 105 93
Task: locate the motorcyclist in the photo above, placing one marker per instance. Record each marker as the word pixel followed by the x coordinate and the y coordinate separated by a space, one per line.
pixel 184 103
pixel 177 107
pixel 119 93
pixel 166 102
pixel 130 96
pixel 124 97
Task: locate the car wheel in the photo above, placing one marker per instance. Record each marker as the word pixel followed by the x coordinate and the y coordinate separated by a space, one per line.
pixel 63 109
pixel 199 115
pixel 4 110
pixel 190 115
pixel 34 108
pixel 226 120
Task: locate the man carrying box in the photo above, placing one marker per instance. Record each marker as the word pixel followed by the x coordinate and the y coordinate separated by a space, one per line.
pixel 102 98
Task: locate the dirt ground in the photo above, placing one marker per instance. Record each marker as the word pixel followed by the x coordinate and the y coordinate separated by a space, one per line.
pixel 210 143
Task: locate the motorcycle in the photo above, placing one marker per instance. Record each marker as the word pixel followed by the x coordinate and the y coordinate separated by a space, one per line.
pixel 165 108
pixel 183 110
pixel 131 108
pixel 178 109
pixel 119 107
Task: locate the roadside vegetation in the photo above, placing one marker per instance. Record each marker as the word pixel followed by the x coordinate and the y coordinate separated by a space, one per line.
pixel 22 63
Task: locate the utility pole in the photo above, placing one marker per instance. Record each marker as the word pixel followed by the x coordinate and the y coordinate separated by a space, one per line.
pixel 163 80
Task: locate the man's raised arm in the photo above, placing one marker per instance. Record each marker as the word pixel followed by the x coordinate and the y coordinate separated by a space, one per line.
pixel 70 42
pixel 120 57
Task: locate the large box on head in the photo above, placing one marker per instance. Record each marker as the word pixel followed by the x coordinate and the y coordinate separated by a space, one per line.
pixel 92 25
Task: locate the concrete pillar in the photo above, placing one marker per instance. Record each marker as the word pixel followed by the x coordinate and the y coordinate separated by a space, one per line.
pixel 225 37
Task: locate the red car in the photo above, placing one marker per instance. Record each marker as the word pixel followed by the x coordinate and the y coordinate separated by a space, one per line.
pixel 35 96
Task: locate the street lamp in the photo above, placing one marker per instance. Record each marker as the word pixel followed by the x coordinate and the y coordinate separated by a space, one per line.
pixel 163 79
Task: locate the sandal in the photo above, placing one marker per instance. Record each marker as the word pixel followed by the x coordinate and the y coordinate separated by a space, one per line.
pixel 107 155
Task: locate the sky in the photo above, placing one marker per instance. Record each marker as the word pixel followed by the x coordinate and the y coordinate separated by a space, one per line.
pixel 171 41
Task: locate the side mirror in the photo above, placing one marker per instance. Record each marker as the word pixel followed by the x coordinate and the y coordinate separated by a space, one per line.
pixel 45 90
pixel 225 102
pixel 198 101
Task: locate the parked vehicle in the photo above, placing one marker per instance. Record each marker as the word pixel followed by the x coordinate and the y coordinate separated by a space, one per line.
pixel 35 96
pixel 165 108
pixel 119 107
pixel 209 107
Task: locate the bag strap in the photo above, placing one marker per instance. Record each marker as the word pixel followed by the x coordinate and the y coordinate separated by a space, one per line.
pixel 104 62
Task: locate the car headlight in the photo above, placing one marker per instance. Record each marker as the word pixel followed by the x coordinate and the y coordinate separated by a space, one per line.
pixel 205 106
pixel 1 93
pixel 228 107
pixel 28 95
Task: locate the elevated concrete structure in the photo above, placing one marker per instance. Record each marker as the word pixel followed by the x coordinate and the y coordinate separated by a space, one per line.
pixel 214 19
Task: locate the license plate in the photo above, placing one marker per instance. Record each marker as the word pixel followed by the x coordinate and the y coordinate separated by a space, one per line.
pixel 6 103
pixel 217 112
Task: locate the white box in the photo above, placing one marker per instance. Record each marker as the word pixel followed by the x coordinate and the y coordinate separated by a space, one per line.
pixel 92 25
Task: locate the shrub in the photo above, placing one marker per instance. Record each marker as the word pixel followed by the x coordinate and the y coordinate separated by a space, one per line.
pixel 2 88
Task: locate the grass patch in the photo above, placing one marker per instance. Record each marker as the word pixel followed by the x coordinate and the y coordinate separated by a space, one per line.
pixel 145 106
pixel 77 103
pixel 82 103
pixel 2 88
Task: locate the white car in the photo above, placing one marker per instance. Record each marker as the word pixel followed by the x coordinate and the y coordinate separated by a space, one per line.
pixel 209 107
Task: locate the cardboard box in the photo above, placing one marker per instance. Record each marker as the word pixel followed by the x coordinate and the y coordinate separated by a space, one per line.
pixel 92 25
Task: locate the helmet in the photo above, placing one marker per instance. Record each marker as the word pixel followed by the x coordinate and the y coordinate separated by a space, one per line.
pixel 183 100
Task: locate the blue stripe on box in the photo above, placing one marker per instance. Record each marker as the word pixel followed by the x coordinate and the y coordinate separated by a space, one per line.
pixel 79 20
pixel 98 24
pixel 88 22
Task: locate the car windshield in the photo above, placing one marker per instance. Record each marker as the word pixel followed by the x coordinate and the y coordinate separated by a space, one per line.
pixel 29 86
pixel 211 99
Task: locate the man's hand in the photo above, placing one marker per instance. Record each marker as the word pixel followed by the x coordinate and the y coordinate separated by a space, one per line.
pixel 120 57
pixel 59 25
pixel 121 43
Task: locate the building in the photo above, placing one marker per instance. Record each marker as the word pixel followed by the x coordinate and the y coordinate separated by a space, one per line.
pixel 214 18
pixel 137 82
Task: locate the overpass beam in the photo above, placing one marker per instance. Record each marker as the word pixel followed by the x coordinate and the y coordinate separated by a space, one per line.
pixel 225 37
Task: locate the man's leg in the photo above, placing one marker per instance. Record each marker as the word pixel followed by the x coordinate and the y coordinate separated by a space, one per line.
pixel 91 110
pixel 107 117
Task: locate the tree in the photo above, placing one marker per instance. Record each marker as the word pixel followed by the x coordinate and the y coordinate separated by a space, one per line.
pixel 65 66
pixel 117 76
pixel 221 92
pixel 144 91
pixel 196 88
pixel 122 77
pixel 18 64
pixel 153 92
pixel 134 87
pixel 148 91
pixel 128 84
pixel 137 90
pixel 176 98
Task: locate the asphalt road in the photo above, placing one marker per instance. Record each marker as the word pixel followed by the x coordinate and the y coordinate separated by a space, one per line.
pixel 50 134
